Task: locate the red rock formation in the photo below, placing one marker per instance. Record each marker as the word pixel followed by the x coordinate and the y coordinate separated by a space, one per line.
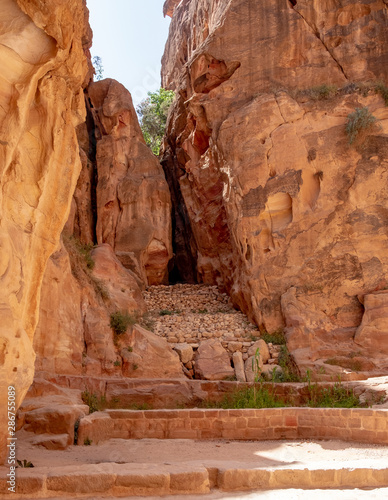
pixel 44 68
pixel 284 212
pixel 132 211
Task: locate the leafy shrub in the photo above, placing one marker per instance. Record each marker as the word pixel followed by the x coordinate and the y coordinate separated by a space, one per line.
pixel 290 369
pixel 277 337
pixel 322 92
pixel 119 322
pixel 94 402
pixel 166 312
pixel 360 120
pixel 336 396
pixel 250 397
pixel 153 113
pixel 87 441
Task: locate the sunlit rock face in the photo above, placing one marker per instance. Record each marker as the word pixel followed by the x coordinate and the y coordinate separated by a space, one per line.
pixel 132 210
pixel 44 67
pixel 282 210
pixel 169 7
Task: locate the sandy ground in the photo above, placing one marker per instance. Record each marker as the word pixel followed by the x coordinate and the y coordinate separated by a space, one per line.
pixel 290 454
pixel 241 454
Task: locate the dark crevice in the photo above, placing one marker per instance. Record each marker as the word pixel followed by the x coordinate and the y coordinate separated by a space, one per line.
pixel 92 156
pixel 183 267
pixel 292 2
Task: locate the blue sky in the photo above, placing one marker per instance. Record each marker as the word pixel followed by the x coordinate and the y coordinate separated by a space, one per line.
pixel 129 36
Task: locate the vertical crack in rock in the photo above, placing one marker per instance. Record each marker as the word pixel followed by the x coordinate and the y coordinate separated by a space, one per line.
pixel 91 127
pixel 316 32
pixel 184 265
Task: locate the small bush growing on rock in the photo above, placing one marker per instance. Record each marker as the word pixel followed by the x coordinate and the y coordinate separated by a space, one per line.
pixel 323 92
pixel 336 396
pixel 290 369
pixel 87 441
pixel 360 120
pixel 166 312
pixel 93 401
pixel 383 91
pixel 277 337
pixel 119 322
pixel 261 397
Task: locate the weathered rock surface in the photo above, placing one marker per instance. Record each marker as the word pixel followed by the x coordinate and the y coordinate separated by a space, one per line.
pixel 129 207
pixel 185 352
pixel 373 331
pixel 283 211
pixel 59 339
pixel 212 362
pixel 261 348
pixel 149 356
pixel 238 364
pixel 43 53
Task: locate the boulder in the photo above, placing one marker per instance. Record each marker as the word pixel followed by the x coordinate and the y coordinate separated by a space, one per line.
pixel 263 350
pixel 53 416
pixel 239 366
pixel 185 352
pixel 212 361
pixel 149 356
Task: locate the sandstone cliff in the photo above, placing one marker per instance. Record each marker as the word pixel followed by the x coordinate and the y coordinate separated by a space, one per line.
pixel 122 204
pixel 44 62
pixel 283 212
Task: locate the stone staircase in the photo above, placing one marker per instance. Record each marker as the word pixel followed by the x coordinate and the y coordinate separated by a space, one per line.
pixel 191 313
pixel 213 339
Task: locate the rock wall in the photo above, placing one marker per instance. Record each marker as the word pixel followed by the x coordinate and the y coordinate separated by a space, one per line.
pixel 122 207
pixel 122 197
pixel 43 54
pixel 284 213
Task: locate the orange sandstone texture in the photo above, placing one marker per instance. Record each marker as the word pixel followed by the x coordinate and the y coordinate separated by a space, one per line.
pixel 44 62
pixel 132 198
pixel 270 199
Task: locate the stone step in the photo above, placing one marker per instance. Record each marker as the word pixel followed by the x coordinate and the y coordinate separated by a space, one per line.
pixel 128 480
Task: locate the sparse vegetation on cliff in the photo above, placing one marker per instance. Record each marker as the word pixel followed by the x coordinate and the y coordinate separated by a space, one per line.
pixel 360 120
pixel 82 264
pixel 119 322
pixel 153 113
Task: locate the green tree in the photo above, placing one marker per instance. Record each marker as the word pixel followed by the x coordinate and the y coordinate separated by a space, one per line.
pixel 153 113
pixel 99 69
